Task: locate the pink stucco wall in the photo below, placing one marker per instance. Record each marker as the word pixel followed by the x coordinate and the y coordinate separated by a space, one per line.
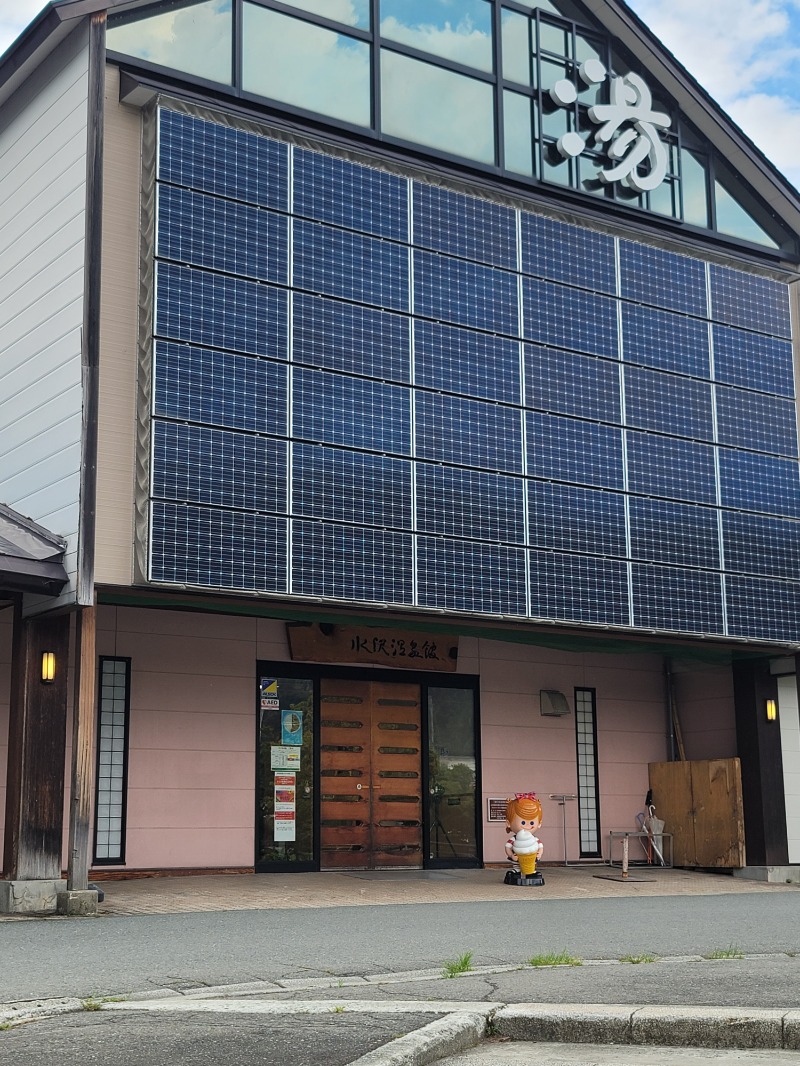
pixel 522 750
pixel 704 694
pixel 191 778
pixel 191 770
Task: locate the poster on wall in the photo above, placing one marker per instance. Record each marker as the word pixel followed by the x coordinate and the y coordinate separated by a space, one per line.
pixel 285 825
pixel 284 757
pixel 285 791
pixel 292 727
pixel 268 691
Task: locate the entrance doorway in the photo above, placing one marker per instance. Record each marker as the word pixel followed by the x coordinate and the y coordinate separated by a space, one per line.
pixel 370 774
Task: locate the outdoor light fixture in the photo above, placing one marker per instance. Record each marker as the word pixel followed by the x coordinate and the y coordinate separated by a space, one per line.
pixel 48 667
pixel 772 710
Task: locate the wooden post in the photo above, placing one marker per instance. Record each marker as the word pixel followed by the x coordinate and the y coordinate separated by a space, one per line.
pixel 36 751
pixel 625 857
pixel 84 714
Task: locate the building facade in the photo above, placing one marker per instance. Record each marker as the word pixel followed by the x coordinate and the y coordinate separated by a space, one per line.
pixel 414 391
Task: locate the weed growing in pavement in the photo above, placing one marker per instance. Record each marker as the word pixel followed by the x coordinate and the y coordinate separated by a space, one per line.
pixel 92 1004
pixel 731 952
pixel 555 958
pixel 636 959
pixel 339 1009
pixel 463 964
pixel 5 1025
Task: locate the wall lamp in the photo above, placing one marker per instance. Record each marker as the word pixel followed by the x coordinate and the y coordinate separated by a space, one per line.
pixel 772 710
pixel 48 667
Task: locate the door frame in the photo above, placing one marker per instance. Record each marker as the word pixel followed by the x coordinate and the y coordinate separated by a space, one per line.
pixel 315 672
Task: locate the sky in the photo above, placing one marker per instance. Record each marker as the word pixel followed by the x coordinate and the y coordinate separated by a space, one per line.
pixel 746 53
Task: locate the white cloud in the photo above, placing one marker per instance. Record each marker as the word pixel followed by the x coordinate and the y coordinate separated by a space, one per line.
pixel 14 17
pixel 739 50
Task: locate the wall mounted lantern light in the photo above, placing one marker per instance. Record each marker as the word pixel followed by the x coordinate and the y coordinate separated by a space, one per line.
pixel 772 710
pixel 48 667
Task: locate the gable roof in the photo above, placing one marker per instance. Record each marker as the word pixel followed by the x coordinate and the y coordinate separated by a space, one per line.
pixel 57 20
pixel 30 555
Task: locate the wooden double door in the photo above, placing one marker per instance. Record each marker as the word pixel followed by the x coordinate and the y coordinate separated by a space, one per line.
pixel 370 775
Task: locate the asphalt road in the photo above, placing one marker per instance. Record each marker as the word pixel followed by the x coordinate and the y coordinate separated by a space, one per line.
pixel 199 1040
pixel 112 955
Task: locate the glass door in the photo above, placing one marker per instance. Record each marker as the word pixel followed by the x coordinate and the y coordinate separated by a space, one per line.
pixel 452 778
pixel 285 772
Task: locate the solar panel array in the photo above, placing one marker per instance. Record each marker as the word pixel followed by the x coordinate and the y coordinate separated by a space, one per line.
pixel 370 389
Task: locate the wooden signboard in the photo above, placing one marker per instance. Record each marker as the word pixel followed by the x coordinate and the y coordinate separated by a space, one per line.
pixel 398 648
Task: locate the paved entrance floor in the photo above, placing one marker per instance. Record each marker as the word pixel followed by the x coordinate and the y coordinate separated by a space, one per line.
pixel 177 895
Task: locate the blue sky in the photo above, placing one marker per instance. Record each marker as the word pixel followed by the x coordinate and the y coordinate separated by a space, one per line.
pixel 746 53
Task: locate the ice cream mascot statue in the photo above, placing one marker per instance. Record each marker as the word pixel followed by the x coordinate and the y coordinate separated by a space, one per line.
pixel 524 849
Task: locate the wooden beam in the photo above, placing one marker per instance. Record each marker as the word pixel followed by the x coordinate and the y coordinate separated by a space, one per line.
pixel 36 751
pixel 84 715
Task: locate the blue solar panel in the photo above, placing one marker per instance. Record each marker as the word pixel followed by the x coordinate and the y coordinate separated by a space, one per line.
pixel 668 403
pixel 759 483
pixel 465 226
pixel 750 420
pixel 218 549
pixel 570 384
pixel 351 487
pixel 219 467
pixel 665 340
pixel 468 432
pixel 684 601
pixel 468 503
pixel 665 279
pixel 350 195
pixel 236 238
pixel 741 299
pixel 333 409
pixel 760 608
pixel 562 252
pixel 758 545
pixel 409 453
pixel 572 519
pixel 677 469
pixel 351 266
pixel 466 294
pixel 579 588
pixel 357 340
pixel 348 563
pixel 680 534
pixel 227 162
pixel 219 388
pixel 220 312
pixel 564 449
pixel 459 360
pixel 753 361
pixel 570 318
pixel 465 576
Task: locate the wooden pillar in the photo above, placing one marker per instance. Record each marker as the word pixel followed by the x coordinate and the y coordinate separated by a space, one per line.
pixel 36 751
pixel 84 715
pixel 759 747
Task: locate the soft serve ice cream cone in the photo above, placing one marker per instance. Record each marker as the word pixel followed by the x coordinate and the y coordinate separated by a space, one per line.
pixel 526 850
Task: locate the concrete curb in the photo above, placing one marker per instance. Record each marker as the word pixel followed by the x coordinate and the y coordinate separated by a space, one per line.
pixel 17 1013
pixel 699 1027
pixel 442 1038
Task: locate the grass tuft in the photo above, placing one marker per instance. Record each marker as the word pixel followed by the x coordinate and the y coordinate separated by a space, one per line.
pixel 556 958
pixel 463 964
pixel 635 960
pixel 731 952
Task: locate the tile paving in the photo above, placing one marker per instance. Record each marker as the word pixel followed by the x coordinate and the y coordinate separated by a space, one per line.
pixel 231 892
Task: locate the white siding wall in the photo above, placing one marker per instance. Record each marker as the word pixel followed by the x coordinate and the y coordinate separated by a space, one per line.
pixel 790 744
pixel 43 132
